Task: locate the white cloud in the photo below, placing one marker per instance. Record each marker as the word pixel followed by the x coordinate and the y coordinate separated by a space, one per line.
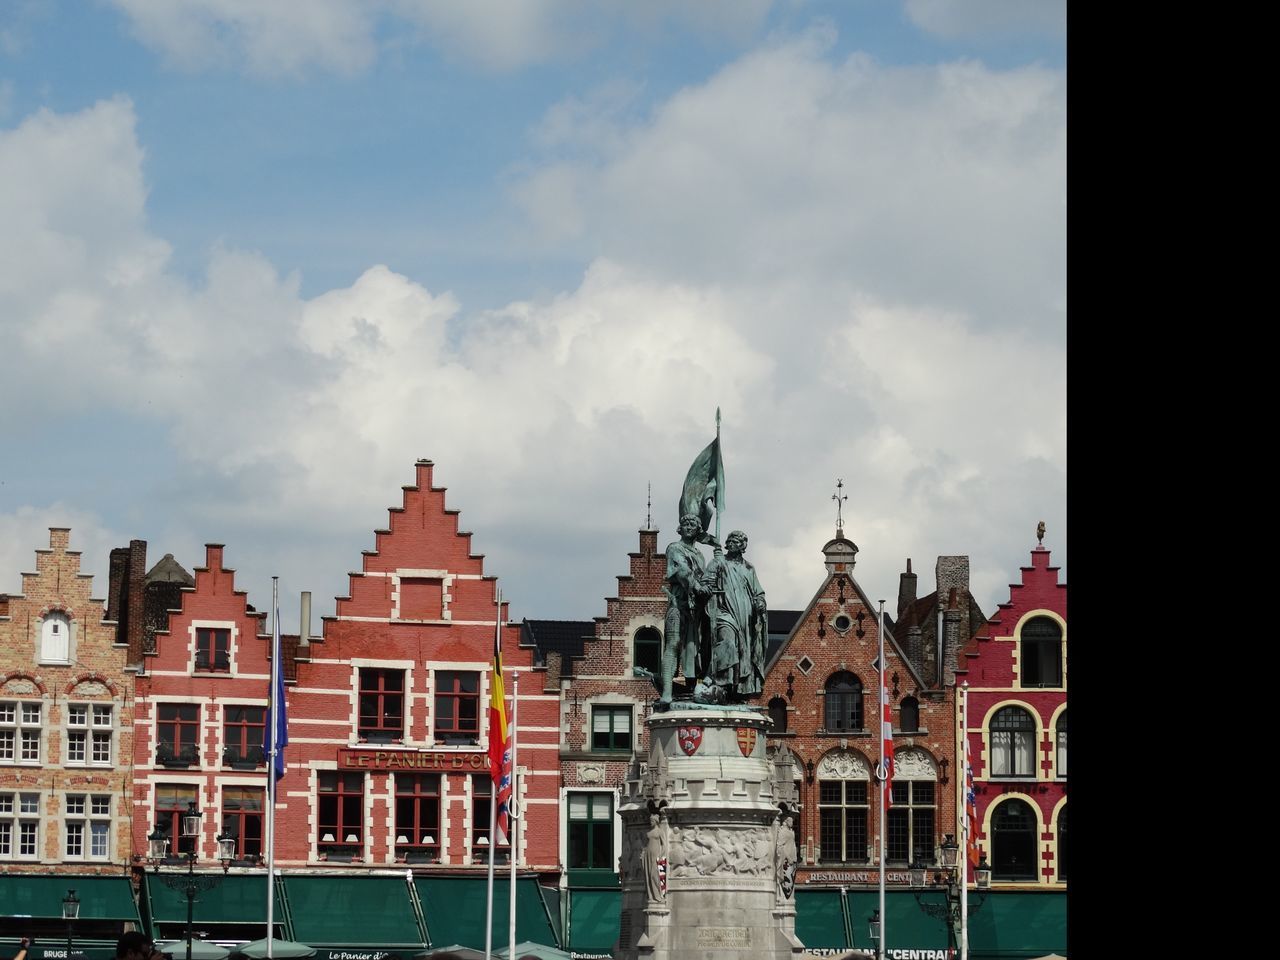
pixel 958 18
pixel 861 266
pixel 343 35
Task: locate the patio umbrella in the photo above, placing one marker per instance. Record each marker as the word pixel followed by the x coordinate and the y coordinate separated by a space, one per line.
pixel 200 950
pixel 527 950
pixel 455 951
pixel 280 950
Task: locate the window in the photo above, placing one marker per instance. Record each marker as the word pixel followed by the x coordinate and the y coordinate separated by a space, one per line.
pixel 172 802
pixel 341 814
pixel 457 717
pixel 1041 660
pixel 381 705
pixel 1013 736
pixel 909 715
pixel 481 796
pixel 1062 744
pixel 88 826
pixel 911 818
pixel 421 598
pixel 19 825
pixel 591 831
pixel 611 728
pixel 778 714
pixel 213 649
pixel 647 651
pixel 242 734
pixel 1013 841
pixel 1062 844
pixel 843 702
pixel 55 638
pixel 418 817
pixel 178 733
pixel 843 813
pixel 242 818
pixel 19 731
pixel 89 734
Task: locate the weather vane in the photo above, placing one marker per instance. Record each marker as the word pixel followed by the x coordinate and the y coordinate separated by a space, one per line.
pixel 839 498
pixel 648 507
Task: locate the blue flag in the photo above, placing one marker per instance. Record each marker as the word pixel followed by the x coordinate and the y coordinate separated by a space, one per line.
pixel 277 728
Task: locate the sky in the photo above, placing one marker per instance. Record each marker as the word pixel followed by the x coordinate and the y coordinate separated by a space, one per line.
pixel 256 259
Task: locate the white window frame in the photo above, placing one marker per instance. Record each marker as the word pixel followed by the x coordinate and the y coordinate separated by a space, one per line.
pixel 18 732
pixel 19 817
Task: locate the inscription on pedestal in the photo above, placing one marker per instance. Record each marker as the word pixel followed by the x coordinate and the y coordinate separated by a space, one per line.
pixel 725 938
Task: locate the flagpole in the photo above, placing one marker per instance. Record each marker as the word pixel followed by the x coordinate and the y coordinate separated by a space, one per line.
pixel 493 806
pixel 513 810
pixel 273 710
pixel 964 826
pixel 883 773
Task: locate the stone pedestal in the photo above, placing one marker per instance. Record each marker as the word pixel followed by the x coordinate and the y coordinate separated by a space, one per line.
pixel 709 852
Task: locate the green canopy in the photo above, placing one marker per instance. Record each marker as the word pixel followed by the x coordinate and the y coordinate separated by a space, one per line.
pixel 454 908
pixel 238 898
pixel 820 920
pixel 367 912
pixel 40 896
pixel 594 920
pixel 1017 924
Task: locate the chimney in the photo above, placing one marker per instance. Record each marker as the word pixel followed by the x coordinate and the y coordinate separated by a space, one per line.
pixel 953 575
pixel 304 622
pixel 951 638
pixel 906 589
pixel 116 584
pixel 132 619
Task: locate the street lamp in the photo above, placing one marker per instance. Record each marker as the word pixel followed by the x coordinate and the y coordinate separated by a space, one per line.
pixel 190 883
pixel 873 931
pixel 949 881
pixel 70 913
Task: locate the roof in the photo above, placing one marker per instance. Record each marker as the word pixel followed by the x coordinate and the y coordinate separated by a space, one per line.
pixel 565 637
pixel 170 570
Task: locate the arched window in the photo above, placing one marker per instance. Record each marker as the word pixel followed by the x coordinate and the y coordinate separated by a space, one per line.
pixel 1062 843
pixel 843 709
pixel 1062 744
pixel 55 638
pixel 778 714
pixel 647 650
pixel 909 714
pixel 1013 841
pixel 1013 743
pixel 1041 660
pixel 843 807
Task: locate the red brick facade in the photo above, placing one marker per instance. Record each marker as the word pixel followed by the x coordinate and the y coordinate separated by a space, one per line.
pixel 823 680
pixel 66 724
pixel 1016 670
pixel 387 710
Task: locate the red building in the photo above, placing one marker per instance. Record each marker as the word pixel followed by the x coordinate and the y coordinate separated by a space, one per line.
pixel 386 762
pixel 1016 671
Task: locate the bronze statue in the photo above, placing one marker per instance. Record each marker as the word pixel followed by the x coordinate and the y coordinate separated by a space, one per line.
pixel 739 621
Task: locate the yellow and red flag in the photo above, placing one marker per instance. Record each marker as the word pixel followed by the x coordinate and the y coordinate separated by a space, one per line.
pixel 499 741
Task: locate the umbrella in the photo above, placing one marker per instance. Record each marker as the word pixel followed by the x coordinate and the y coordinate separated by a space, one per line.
pixel 454 951
pixel 200 950
pixel 282 949
pixel 527 950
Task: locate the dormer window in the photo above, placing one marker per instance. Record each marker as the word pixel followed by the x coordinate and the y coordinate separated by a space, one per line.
pixel 55 638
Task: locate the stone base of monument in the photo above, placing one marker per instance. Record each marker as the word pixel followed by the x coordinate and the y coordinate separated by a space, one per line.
pixel 708 853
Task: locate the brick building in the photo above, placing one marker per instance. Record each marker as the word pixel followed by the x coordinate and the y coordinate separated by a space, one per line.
pixel 66 746
pixel 1016 669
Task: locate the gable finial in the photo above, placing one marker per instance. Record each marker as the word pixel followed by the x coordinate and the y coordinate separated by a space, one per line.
pixel 1040 532
pixel 839 498
pixel 648 507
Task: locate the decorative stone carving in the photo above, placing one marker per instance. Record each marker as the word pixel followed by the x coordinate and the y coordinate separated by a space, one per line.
pixel 913 764
pixel 91 688
pixel 655 859
pixel 844 765
pixel 20 685
pixel 786 858
pixel 709 851
pixel 591 773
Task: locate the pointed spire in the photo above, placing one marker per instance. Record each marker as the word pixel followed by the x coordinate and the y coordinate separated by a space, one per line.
pixel 839 497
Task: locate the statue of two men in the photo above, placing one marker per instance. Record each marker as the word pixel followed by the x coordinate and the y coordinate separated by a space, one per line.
pixel 717 621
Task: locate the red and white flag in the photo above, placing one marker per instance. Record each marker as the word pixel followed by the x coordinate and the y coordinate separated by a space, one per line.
pixel 970 806
pixel 886 740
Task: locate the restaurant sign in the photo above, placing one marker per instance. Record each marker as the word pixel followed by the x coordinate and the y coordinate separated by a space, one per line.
pixel 393 759
pixel 855 876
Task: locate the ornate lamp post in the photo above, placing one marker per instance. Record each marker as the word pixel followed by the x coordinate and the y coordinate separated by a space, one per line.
pixel 70 913
pixel 190 883
pixel 873 931
pixel 948 880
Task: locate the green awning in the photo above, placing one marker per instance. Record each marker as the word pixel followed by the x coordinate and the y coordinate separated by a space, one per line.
pixel 40 896
pixel 454 909
pixel 1017 924
pixel 238 898
pixel 89 949
pixel 356 911
pixel 905 926
pixel 594 920
pixel 820 921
